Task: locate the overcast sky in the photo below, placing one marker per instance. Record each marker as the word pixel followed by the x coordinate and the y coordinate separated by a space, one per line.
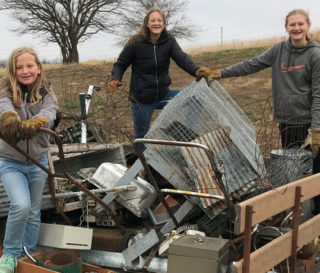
pixel 239 20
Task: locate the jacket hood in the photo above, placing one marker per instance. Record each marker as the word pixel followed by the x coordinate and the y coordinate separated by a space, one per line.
pixel 298 50
pixel 301 49
pixel 163 36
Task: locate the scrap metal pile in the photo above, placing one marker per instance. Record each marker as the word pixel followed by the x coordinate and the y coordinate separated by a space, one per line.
pixel 201 151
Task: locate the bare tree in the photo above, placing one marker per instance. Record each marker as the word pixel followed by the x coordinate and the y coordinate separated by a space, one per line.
pixel 65 22
pixel 135 10
pixel 70 22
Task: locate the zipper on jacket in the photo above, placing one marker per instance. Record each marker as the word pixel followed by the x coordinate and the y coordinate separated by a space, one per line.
pixel 156 61
pixel 27 115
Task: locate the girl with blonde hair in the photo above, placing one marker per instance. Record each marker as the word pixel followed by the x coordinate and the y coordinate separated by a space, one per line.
pixel 26 104
pixel 295 85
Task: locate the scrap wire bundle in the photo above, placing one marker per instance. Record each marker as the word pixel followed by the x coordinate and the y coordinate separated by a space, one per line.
pixel 209 116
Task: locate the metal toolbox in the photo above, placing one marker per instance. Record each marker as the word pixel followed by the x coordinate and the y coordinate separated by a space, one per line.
pixel 193 253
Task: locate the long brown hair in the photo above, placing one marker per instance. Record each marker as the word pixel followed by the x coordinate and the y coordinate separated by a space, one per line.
pixel 143 32
pixel 10 80
pixel 301 12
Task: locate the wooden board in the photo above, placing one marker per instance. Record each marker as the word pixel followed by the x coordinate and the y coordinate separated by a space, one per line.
pixel 279 249
pixel 275 201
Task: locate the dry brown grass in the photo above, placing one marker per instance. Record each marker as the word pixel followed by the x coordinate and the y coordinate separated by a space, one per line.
pixel 236 44
pixel 315 35
pixel 2 71
pixel 242 44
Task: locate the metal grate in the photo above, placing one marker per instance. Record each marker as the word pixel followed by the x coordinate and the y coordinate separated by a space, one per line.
pixel 209 116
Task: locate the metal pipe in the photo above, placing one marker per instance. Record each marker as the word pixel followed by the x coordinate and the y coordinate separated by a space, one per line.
pixel 295 229
pixel 192 193
pixel 146 167
pixel 110 259
pixel 118 190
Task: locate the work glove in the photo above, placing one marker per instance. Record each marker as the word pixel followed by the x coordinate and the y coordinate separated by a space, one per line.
pixel 208 74
pixel 313 139
pixel 30 127
pixel 113 85
pixel 9 128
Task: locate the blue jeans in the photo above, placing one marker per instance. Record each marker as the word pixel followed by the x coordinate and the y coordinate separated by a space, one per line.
pixel 24 183
pixel 142 113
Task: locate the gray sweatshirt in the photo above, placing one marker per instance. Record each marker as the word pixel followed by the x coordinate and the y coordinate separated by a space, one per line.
pixel 295 80
pixel 39 144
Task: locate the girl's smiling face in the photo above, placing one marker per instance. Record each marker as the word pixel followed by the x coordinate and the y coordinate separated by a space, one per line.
pixel 27 70
pixel 155 23
pixel 297 27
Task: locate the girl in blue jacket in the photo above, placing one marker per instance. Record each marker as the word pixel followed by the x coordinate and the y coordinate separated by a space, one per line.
pixel 149 52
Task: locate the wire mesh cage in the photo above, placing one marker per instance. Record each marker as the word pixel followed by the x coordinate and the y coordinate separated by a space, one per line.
pixel 209 116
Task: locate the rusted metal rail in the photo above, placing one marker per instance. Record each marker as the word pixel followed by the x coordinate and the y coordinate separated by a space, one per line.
pixel 65 173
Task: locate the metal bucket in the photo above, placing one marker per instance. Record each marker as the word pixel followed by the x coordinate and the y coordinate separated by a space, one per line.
pixel 288 165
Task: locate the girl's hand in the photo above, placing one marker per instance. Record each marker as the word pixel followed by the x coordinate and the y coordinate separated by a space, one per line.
pixel 208 74
pixel 312 140
pixel 30 127
pixel 113 85
pixel 9 128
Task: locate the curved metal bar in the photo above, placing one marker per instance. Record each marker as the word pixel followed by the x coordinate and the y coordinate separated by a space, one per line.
pixel 65 174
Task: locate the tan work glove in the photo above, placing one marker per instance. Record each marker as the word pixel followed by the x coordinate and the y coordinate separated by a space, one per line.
pixel 9 128
pixel 313 139
pixel 30 127
pixel 208 74
pixel 113 85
